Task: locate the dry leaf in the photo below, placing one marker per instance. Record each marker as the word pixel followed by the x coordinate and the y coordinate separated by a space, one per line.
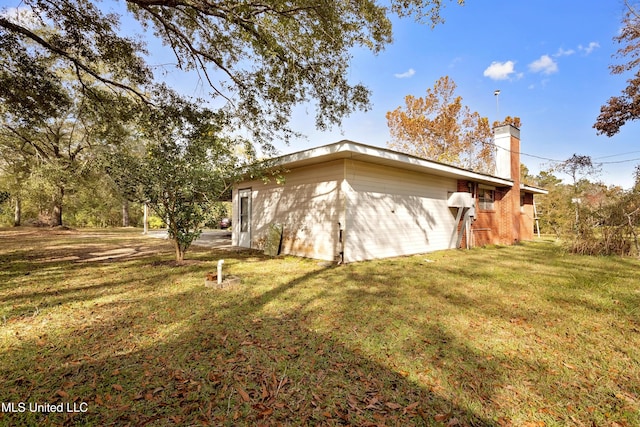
pixel 441 417
pixel 117 387
pixel 392 405
pixel 243 394
pixel 411 407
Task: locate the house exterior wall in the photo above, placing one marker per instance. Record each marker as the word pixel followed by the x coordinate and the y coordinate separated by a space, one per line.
pixel 350 202
pixel 394 212
pixel 501 225
pixel 527 217
pixel 308 205
pixel 512 217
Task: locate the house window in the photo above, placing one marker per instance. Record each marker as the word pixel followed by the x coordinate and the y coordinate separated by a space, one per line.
pixel 485 199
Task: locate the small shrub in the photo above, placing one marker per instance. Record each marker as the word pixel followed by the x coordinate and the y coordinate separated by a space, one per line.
pixel 155 221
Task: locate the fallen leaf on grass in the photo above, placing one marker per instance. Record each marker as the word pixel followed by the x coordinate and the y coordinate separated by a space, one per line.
pixel 265 392
pixel 266 412
pixel 411 407
pixel 243 394
pixel 442 417
pixel 392 405
pixel 117 387
pixel 62 393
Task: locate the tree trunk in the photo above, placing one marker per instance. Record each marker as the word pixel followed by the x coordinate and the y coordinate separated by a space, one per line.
pixel 17 215
pixel 125 213
pixel 56 219
pixel 179 251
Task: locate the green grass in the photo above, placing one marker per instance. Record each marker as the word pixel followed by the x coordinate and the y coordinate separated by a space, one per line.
pixel 522 335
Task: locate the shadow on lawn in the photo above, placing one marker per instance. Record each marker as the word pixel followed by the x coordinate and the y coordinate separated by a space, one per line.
pixel 229 363
pixel 291 351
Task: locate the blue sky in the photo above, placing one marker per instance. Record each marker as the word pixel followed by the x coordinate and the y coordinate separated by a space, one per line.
pixel 550 60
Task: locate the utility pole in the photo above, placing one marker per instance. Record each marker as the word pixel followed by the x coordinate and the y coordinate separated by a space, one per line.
pixel 497 95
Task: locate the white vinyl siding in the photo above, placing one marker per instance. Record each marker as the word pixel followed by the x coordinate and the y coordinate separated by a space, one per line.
pixel 394 212
pixel 309 207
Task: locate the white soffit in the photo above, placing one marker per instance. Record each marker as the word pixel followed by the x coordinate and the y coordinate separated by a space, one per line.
pixel 366 153
pixel 534 190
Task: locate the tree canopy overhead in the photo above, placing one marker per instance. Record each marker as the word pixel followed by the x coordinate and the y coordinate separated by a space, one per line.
pixel 262 58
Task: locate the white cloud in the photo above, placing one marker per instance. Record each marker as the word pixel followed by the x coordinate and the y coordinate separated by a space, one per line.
pixel 545 64
pixel 500 70
pixel 410 72
pixel 590 48
pixel 562 52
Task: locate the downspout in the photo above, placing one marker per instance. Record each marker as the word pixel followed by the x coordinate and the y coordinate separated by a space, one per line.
pixel 340 244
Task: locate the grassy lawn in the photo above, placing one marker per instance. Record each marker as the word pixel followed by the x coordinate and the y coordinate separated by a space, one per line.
pixel 523 335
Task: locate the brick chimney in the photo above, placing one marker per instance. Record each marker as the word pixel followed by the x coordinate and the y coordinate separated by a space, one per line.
pixel 507 141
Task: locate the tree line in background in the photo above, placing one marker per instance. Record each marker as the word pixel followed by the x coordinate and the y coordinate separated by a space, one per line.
pixel 590 217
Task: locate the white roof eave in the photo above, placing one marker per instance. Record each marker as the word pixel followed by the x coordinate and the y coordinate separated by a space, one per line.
pixel 534 190
pixel 357 151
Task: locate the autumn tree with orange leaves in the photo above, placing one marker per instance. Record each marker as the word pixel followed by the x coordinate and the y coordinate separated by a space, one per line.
pixel 439 127
pixel 626 107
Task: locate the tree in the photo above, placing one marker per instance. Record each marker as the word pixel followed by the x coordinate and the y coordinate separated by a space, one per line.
pixel 183 165
pixel 439 127
pixel 577 166
pixel 620 109
pixel 60 149
pixel 261 58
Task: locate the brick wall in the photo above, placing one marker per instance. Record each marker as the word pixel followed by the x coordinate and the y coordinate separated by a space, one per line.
pixel 508 222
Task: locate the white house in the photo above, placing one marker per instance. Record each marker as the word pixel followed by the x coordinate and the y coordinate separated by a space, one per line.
pixel 349 202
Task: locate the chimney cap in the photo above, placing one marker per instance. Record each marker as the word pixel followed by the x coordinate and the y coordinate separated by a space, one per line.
pixel 507 128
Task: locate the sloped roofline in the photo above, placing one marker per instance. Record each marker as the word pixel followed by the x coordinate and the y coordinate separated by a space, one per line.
pixel 532 189
pixel 347 149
